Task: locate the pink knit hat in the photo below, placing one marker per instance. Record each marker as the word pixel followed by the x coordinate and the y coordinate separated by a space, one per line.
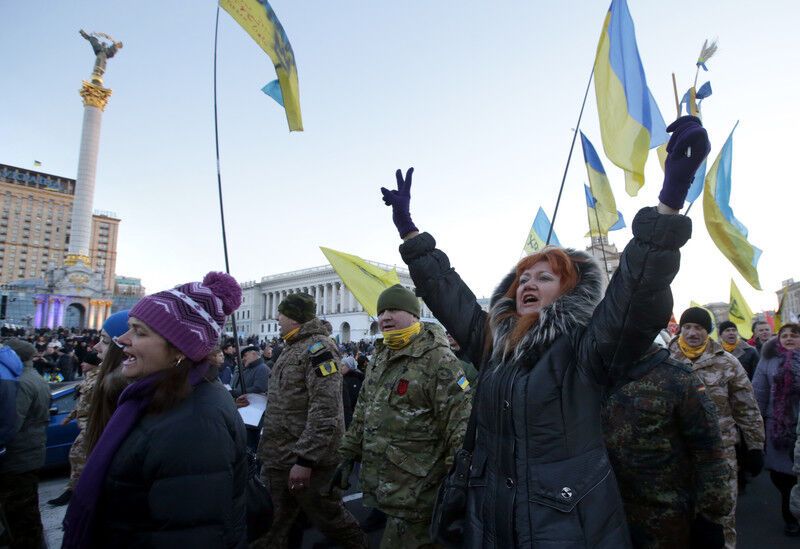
pixel 191 316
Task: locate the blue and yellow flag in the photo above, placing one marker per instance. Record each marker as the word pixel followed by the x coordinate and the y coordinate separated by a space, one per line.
pixel 630 122
pixel 726 231
pixel 364 280
pixel 740 313
pixel 261 23
pixel 537 237
pixel 599 197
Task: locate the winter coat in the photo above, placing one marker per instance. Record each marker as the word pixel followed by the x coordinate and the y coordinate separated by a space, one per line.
pixel 351 387
pixel 747 356
pixel 256 379
pixel 775 459
pixel 727 384
pixel 662 434
pixel 25 448
pixel 304 421
pixel 408 424
pixel 178 479
pixel 540 473
pixel 10 370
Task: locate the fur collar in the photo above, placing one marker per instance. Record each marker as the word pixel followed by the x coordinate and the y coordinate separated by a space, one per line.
pixel 570 311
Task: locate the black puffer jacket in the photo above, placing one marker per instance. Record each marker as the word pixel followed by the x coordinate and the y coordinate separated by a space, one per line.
pixel 178 480
pixel 540 474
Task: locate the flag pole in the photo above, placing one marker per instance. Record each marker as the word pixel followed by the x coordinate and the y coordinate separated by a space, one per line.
pixel 675 91
pixel 597 220
pixel 221 208
pixel 569 157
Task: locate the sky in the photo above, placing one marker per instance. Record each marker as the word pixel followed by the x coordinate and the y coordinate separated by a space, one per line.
pixel 479 97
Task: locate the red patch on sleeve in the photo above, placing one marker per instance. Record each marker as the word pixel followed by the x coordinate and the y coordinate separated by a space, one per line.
pixel 402 387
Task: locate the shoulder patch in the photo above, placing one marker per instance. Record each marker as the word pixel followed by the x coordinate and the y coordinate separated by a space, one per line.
pixel 326 368
pixel 463 383
pixel 321 357
pixel 315 348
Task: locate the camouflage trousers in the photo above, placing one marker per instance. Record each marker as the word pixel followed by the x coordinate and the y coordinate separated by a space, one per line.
pixel 325 511
pixel 729 522
pixel 405 534
pixel 77 459
pixel 19 503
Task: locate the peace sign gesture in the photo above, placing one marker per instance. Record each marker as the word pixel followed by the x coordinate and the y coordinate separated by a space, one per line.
pixel 400 201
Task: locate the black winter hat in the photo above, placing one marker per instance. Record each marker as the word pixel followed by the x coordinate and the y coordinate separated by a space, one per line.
pixel 398 297
pixel 724 325
pixel 697 315
pixel 300 307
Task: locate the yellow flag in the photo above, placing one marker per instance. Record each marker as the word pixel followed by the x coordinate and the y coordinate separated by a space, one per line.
pixel 713 333
pixel 365 280
pixel 261 23
pixel 779 312
pixel 739 312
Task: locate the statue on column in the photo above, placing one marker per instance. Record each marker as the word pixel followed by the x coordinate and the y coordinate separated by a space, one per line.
pixel 103 52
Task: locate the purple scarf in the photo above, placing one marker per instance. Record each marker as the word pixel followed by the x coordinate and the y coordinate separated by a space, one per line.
pixel 786 393
pixel 132 404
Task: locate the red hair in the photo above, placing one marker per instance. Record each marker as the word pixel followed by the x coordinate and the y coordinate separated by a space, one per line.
pixel 562 266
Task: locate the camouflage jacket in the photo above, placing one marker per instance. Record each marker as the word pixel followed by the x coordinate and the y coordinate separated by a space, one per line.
pixel 663 437
pixel 85 390
pixel 304 421
pixel 409 421
pixel 731 392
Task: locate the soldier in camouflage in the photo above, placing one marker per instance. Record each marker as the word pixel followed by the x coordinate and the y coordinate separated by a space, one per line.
pixel 663 438
pixel 731 392
pixel 409 421
pixel 303 426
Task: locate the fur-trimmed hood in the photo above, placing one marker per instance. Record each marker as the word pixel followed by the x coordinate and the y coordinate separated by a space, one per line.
pixel 770 348
pixel 572 310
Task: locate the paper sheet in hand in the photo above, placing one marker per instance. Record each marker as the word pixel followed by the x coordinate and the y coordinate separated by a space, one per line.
pixel 251 414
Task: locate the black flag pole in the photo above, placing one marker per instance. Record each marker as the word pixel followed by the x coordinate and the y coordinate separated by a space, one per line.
pixel 569 157
pixel 221 207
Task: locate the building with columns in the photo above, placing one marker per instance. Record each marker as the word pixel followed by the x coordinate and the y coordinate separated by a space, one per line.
pixel 258 314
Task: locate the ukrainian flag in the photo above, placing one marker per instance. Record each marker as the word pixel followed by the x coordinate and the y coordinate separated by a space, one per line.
pixel 726 231
pixel 599 197
pixel 259 20
pixel 630 122
pixel 537 237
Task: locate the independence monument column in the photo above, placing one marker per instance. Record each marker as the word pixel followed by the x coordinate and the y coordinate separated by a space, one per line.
pixel 95 97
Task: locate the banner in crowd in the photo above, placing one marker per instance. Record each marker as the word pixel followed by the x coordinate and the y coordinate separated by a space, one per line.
pixel 364 280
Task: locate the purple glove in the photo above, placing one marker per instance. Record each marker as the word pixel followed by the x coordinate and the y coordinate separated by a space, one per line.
pixel 400 200
pixel 686 150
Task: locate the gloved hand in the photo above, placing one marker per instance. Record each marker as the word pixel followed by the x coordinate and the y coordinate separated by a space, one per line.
pixel 341 476
pixel 400 201
pixel 706 534
pixel 688 138
pixel 755 461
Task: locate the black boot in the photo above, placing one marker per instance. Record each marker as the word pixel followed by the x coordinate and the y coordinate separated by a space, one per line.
pixel 63 499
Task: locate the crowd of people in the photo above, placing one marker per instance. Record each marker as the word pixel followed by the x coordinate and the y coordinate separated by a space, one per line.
pixel 565 415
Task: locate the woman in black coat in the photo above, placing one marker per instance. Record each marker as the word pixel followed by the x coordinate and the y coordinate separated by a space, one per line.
pixel 169 469
pixel 547 349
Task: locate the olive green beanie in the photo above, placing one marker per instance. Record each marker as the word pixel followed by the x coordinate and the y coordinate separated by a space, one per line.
pixel 299 307
pixel 400 298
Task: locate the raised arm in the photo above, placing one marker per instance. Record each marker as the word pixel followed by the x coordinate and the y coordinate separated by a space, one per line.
pixel 638 301
pixel 443 291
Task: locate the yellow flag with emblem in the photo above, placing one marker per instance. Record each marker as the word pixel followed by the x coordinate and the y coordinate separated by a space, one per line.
pixel 259 20
pixel 713 333
pixel 365 280
pixel 739 312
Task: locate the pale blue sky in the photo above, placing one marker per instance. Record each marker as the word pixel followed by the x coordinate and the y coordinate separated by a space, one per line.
pixel 479 97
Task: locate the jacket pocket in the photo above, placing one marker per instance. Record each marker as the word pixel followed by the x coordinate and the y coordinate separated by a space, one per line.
pixel 407 461
pixel 561 485
pixel 477 470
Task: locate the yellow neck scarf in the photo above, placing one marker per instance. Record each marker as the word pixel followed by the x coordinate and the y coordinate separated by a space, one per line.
pixel 291 334
pixel 397 339
pixel 728 346
pixel 692 352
